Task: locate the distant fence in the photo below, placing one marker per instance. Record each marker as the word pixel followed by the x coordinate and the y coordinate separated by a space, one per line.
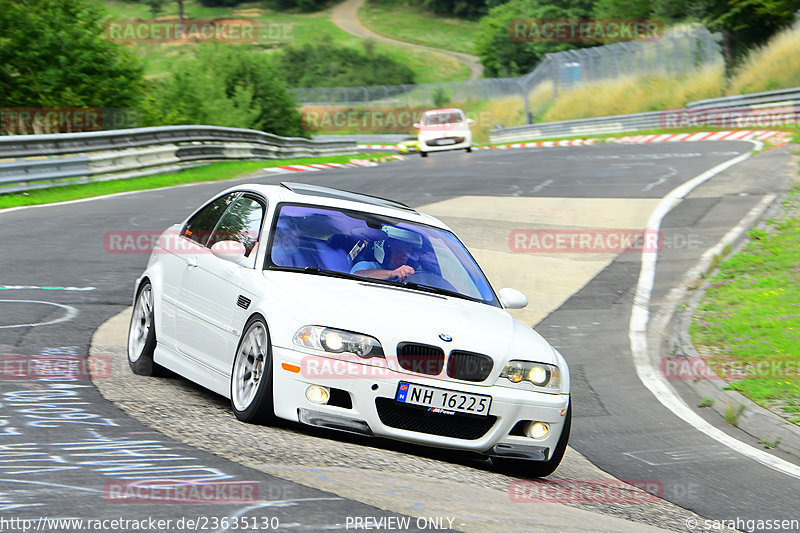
pixel 772 109
pixel 674 53
pixel 33 159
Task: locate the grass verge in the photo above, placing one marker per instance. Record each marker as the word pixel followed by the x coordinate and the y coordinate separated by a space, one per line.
pixel 213 172
pixel 413 25
pixel 635 94
pixel 748 323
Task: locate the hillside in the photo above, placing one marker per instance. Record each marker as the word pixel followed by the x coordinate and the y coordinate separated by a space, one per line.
pixel 277 30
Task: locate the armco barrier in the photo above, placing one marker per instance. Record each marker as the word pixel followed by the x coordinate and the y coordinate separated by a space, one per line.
pixel 786 100
pixel 28 160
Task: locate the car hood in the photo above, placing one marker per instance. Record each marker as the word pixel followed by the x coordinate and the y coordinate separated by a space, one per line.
pixel 396 314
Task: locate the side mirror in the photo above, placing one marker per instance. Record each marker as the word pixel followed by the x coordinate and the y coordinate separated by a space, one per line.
pixel 232 251
pixel 470 121
pixel 417 125
pixel 512 298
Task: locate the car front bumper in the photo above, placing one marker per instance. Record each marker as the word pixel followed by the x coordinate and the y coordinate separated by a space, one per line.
pixel 375 412
pixel 429 143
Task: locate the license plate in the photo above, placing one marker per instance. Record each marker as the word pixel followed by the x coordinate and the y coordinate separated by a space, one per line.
pixel 446 400
pixel 445 141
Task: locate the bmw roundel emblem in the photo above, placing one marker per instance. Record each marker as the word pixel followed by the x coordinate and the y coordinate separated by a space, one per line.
pixel 445 337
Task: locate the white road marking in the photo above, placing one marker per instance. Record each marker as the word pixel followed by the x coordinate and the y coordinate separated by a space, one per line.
pixel 541 186
pixel 661 179
pixel 71 313
pixel 649 375
pixel 43 288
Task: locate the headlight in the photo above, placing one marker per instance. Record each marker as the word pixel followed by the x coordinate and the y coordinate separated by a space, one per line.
pixel 338 341
pixel 539 374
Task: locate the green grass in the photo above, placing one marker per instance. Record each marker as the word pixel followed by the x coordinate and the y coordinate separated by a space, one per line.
pixel 706 402
pixel 749 320
pixel 413 25
pixel 277 29
pixel 213 172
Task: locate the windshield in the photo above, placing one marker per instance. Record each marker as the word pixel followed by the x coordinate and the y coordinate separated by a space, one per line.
pixel 373 247
pixel 447 117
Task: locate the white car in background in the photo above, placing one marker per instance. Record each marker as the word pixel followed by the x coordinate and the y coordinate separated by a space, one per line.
pixel 287 300
pixel 444 129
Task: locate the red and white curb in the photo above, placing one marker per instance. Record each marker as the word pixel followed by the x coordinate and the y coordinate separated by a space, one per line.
pixel 539 144
pixel 572 142
pixel 775 137
pixel 779 137
pixel 325 166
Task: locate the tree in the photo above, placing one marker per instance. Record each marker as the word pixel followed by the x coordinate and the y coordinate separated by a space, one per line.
pixel 53 54
pixel 225 85
pixel 323 65
pixel 156 6
pixel 503 55
pixel 622 9
pixel 745 24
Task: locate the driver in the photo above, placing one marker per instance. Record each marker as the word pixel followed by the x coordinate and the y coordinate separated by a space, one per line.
pixel 397 248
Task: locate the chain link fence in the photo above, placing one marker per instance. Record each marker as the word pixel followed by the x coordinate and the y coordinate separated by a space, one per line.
pixel 675 53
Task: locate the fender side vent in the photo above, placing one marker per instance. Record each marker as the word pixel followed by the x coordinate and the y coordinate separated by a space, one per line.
pixel 243 302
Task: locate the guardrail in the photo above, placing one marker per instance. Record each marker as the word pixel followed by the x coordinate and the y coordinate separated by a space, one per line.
pixel 779 98
pixel 727 109
pixel 28 160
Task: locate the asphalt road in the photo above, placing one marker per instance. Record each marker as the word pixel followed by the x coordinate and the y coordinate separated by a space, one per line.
pixel 61 443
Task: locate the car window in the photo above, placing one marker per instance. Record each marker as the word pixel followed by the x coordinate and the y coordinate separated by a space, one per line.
pixel 241 223
pixel 356 243
pixel 200 226
pixel 448 117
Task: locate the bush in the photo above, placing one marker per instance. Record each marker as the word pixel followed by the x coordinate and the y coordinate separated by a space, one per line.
pixel 323 65
pixel 225 85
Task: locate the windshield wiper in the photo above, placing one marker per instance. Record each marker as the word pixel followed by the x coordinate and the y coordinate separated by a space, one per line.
pixel 437 290
pixel 327 272
pixel 317 270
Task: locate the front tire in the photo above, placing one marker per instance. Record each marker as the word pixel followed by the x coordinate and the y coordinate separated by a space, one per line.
pixel 535 469
pixel 251 378
pixel 142 334
pixel 469 149
pixel 423 154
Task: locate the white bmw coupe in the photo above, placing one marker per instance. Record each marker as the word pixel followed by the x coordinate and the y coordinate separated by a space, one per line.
pixel 350 312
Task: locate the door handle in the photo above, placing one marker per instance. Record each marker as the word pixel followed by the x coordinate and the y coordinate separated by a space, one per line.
pixel 192 262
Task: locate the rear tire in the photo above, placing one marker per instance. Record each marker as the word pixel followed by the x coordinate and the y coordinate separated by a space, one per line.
pixel 251 377
pixel 142 334
pixel 423 154
pixel 535 469
pixel 469 149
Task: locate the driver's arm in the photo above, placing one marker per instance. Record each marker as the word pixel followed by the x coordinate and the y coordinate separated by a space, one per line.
pixel 401 273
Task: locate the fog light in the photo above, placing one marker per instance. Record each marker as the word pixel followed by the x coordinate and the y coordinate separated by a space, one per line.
pixel 537 430
pixel 317 394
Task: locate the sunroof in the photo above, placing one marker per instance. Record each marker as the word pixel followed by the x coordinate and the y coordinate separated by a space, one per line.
pixel 327 192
